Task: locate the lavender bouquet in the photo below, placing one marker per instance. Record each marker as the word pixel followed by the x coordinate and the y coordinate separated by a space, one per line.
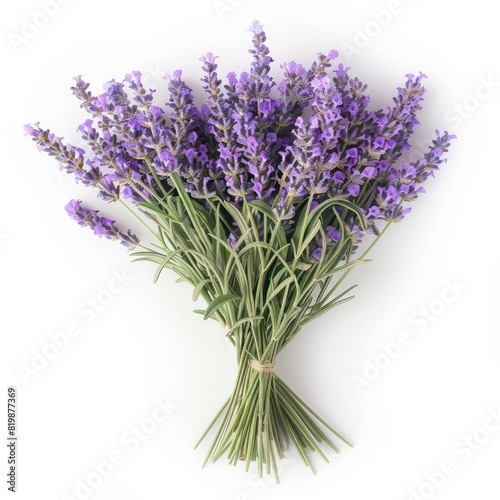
pixel 260 199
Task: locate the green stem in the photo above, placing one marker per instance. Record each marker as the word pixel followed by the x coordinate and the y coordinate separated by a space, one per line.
pixel 140 219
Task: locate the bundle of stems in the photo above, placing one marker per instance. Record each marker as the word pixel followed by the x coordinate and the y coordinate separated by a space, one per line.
pixel 262 290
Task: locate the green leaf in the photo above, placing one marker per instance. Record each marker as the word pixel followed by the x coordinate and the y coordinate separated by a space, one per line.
pixel 199 288
pixel 238 217
pixel 269 249
pixel 300 227
pixel 263 208
pixel 165 264
pixel 218 303
pixel 339 269
pixel 303 266
pixel 285 283
pixel 233 260
pixel 309 236
pixel 188 204
pixel 242 322
pixel 149 259
pixel 205 216
pixel 338 201
pixel 325 305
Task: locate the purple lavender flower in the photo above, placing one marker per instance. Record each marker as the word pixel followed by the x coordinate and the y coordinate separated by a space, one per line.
pixel 101 226
pixel 317 253
pixel 70 158
pixel 311 137
pixel 333 233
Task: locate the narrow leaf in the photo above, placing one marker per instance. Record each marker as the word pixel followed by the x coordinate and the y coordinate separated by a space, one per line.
pixel 218 303
pixel 199 288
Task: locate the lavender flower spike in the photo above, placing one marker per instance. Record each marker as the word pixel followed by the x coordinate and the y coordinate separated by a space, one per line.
pixel 101 226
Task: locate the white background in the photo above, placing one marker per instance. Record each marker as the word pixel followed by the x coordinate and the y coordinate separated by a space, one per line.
pixel 411 417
